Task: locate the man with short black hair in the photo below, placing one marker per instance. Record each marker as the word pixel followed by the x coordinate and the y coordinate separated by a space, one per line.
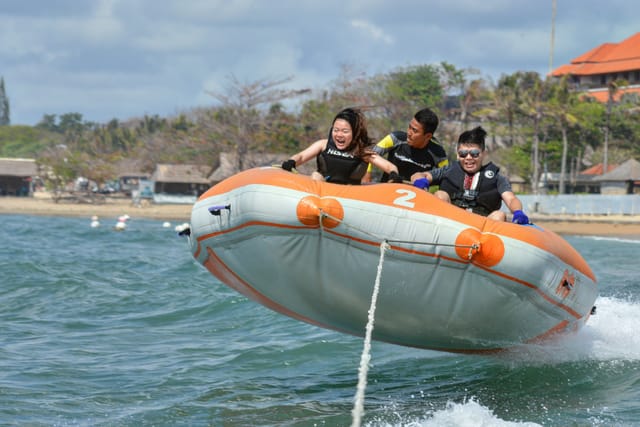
pixel 415 150
pixel 471 185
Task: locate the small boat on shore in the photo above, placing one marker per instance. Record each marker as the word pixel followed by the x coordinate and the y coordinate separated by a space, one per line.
pixel 449 280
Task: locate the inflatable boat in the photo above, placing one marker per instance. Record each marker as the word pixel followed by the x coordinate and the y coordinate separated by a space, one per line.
pixel 447 279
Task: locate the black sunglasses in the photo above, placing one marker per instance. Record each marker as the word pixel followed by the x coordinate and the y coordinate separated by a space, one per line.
pixel 475 153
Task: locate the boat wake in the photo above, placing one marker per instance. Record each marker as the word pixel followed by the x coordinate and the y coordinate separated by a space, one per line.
pixel 614 239
pixel 610 334
pixel 466 414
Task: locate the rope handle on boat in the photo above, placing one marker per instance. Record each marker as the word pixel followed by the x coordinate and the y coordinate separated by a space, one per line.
pixel 294 170
pixel 473 247
pixel 216 210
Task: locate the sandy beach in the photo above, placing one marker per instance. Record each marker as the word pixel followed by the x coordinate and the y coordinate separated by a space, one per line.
pixel 600 225
pixel 111 208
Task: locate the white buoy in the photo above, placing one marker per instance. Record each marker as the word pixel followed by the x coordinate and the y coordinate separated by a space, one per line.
pixel 120 226
pixel 166 224
pixel 181 227
pixel 94 221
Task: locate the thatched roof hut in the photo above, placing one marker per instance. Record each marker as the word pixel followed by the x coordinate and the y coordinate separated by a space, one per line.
pixel 622 180
pixel 16 176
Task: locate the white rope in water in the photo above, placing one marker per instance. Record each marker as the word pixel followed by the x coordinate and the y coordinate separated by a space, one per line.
pixel 358 408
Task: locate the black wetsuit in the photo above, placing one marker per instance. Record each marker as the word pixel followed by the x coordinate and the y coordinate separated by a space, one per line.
pixel 408 159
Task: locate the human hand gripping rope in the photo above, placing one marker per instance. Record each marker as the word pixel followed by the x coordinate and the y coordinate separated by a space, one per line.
pixel 394 177
pixel 288 165
pixel 421 183
pixel 520 217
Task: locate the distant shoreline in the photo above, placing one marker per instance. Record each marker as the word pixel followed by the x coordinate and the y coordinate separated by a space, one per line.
pixel 112 208
pixel 592 225
pixel 595 225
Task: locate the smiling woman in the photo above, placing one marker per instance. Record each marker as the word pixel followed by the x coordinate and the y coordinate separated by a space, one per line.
pixel 343 157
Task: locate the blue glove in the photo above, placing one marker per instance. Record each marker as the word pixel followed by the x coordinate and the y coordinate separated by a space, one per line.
pixel 421 183
pixel 519 217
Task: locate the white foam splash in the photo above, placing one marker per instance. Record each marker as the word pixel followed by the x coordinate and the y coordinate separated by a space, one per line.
pixel 610 334
pixel 467 414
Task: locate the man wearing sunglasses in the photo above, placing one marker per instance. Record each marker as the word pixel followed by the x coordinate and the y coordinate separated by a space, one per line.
pixel 471 185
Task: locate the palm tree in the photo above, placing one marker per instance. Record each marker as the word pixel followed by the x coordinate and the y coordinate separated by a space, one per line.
pixel 507 100
pixel 534 106
pixel 561 103
pixel 612 90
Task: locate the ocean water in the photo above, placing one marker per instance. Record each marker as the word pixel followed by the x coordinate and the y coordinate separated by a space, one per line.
pixel 107 328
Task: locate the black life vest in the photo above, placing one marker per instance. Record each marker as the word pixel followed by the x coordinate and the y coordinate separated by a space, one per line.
pixel 340 167
pixel 410 160
pixel 484 199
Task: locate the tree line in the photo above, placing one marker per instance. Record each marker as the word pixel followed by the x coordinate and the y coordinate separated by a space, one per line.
pixel 534 123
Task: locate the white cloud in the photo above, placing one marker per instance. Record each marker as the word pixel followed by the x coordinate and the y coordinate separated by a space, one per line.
pixel 116 58
pixel 373 31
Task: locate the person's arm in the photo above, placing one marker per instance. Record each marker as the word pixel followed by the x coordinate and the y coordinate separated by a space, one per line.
pixel 382 163
pixel 515 206
pixel 512 201
pixel 434 175
pixel 425 179
pixel 311 152
pixel 382 147
pixel 386 166
pixel 508 196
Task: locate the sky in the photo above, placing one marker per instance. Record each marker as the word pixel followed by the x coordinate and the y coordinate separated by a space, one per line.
pixel 123 59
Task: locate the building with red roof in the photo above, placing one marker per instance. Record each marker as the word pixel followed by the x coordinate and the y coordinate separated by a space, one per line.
pixel 598 169
pixel 594 70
